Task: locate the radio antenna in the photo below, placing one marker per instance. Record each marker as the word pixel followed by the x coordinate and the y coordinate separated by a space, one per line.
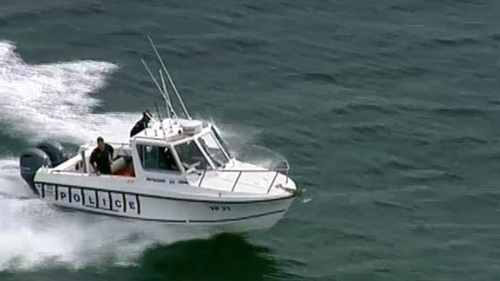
pixel 164 95
pixel 169 77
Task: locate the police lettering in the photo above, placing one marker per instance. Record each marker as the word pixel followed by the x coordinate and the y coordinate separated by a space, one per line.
pixel 131 205
pixel 90 200
pixel 108 200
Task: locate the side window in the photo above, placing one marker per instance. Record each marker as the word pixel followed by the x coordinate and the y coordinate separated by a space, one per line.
pixel 157 158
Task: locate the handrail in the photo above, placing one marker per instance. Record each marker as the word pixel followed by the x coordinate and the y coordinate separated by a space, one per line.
pixel 252 171
pixel 285 171
pixel 271 185
pixel 236 181
pixel 202 177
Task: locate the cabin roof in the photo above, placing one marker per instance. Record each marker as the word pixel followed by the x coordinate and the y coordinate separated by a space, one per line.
pixel 171 131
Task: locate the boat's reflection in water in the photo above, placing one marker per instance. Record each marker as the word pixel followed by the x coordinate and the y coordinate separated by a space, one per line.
pixel 222 257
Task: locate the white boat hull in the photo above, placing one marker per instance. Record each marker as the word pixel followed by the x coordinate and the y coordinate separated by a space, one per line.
pixel 221 216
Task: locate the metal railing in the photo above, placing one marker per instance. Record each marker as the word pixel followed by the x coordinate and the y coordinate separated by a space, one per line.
pixel 284 171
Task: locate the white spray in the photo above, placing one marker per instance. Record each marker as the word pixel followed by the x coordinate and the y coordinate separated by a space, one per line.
pixel 52 101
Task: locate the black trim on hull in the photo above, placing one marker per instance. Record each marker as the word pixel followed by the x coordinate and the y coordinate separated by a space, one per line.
pixel 167 198
pixel 177 221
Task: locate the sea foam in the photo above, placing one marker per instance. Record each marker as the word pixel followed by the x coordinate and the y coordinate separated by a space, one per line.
pixel 52 101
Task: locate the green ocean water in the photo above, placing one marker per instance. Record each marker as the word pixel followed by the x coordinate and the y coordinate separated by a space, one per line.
pixel 387 111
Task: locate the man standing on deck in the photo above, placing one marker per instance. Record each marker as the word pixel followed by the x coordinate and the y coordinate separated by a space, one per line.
pixel 102 157
pixel 141 124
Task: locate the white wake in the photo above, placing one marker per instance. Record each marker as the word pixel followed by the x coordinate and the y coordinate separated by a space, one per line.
pixel 52 101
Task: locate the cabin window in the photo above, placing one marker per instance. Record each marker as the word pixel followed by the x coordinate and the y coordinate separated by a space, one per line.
pixel 157 158
pixel 191 156
pixel 213 149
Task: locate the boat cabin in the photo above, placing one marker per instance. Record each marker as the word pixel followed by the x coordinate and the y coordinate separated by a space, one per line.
pixel 179 146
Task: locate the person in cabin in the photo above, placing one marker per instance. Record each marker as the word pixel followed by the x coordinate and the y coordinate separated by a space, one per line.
pixel 102 157
pixel 141 124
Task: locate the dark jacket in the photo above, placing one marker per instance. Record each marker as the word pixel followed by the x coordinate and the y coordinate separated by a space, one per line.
pixel 102 159
pixel 139 126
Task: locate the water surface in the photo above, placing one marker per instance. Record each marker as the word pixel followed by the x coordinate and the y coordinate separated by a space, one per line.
pixel 387 111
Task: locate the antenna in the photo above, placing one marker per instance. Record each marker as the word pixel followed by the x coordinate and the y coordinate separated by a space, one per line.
pixel 161 121
pixel 167 100
pixel 169 78
pixel 165 90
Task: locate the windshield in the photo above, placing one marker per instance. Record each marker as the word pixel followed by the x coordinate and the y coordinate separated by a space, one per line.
pixel 213 149
pixel 191 156
pixel 221 141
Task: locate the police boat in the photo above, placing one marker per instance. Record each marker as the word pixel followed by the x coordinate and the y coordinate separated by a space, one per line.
pixel 177 171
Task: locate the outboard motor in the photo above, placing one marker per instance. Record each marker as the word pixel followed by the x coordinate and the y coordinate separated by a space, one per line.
pixel 31 160
pixel 54 150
